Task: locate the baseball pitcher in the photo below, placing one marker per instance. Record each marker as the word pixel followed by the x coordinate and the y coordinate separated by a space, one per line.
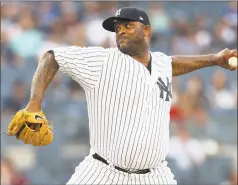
pixel 128 91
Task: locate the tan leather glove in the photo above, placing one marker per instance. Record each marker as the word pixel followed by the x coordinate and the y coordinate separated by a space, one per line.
pixel 31 127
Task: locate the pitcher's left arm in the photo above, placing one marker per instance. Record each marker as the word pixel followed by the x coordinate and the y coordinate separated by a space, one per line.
pixel 187 63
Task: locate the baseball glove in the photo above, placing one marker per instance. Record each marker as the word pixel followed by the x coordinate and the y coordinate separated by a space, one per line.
pixel 31 127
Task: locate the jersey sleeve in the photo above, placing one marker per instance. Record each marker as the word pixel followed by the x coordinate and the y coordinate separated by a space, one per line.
pixel 83 64
pixel 165 63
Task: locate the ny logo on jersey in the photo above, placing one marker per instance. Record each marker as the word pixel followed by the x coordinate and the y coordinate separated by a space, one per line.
pixel 165 88
pixel 118 12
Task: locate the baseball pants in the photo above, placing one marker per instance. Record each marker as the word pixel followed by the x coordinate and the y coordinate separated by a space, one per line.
pixel 93 171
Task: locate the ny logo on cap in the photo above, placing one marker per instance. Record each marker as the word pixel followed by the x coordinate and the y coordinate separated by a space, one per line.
pixel 118 12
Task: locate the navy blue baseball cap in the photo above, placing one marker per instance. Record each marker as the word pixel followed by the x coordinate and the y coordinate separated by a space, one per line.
pixel 129 14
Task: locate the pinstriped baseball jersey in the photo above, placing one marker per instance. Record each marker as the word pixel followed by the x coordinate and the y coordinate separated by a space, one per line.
pixel 128 106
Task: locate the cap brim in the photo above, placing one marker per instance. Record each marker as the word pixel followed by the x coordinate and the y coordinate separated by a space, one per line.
pixel 108 24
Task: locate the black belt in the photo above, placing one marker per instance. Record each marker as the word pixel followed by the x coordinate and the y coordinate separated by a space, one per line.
pixel 98 157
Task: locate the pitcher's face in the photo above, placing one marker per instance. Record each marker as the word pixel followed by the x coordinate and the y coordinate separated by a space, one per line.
pixel 130 36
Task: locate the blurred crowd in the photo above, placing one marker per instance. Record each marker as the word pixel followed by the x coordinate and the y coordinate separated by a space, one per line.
pixel 203 114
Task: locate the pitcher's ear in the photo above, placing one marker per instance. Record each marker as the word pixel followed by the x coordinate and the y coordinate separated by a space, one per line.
pixel 147 31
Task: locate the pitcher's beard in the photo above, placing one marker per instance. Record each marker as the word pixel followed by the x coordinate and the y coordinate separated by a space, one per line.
pixel 132 47
pixel 123 50
pixel 131 50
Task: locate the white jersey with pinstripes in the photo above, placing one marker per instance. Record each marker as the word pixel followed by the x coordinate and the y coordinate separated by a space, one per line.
pixel 128 107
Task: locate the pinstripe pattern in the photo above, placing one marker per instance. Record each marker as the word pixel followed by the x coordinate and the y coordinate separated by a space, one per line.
pixel 128 120
pixel 92 171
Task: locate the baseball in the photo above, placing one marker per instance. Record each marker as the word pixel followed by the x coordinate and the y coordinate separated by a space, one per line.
pixel 232 61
